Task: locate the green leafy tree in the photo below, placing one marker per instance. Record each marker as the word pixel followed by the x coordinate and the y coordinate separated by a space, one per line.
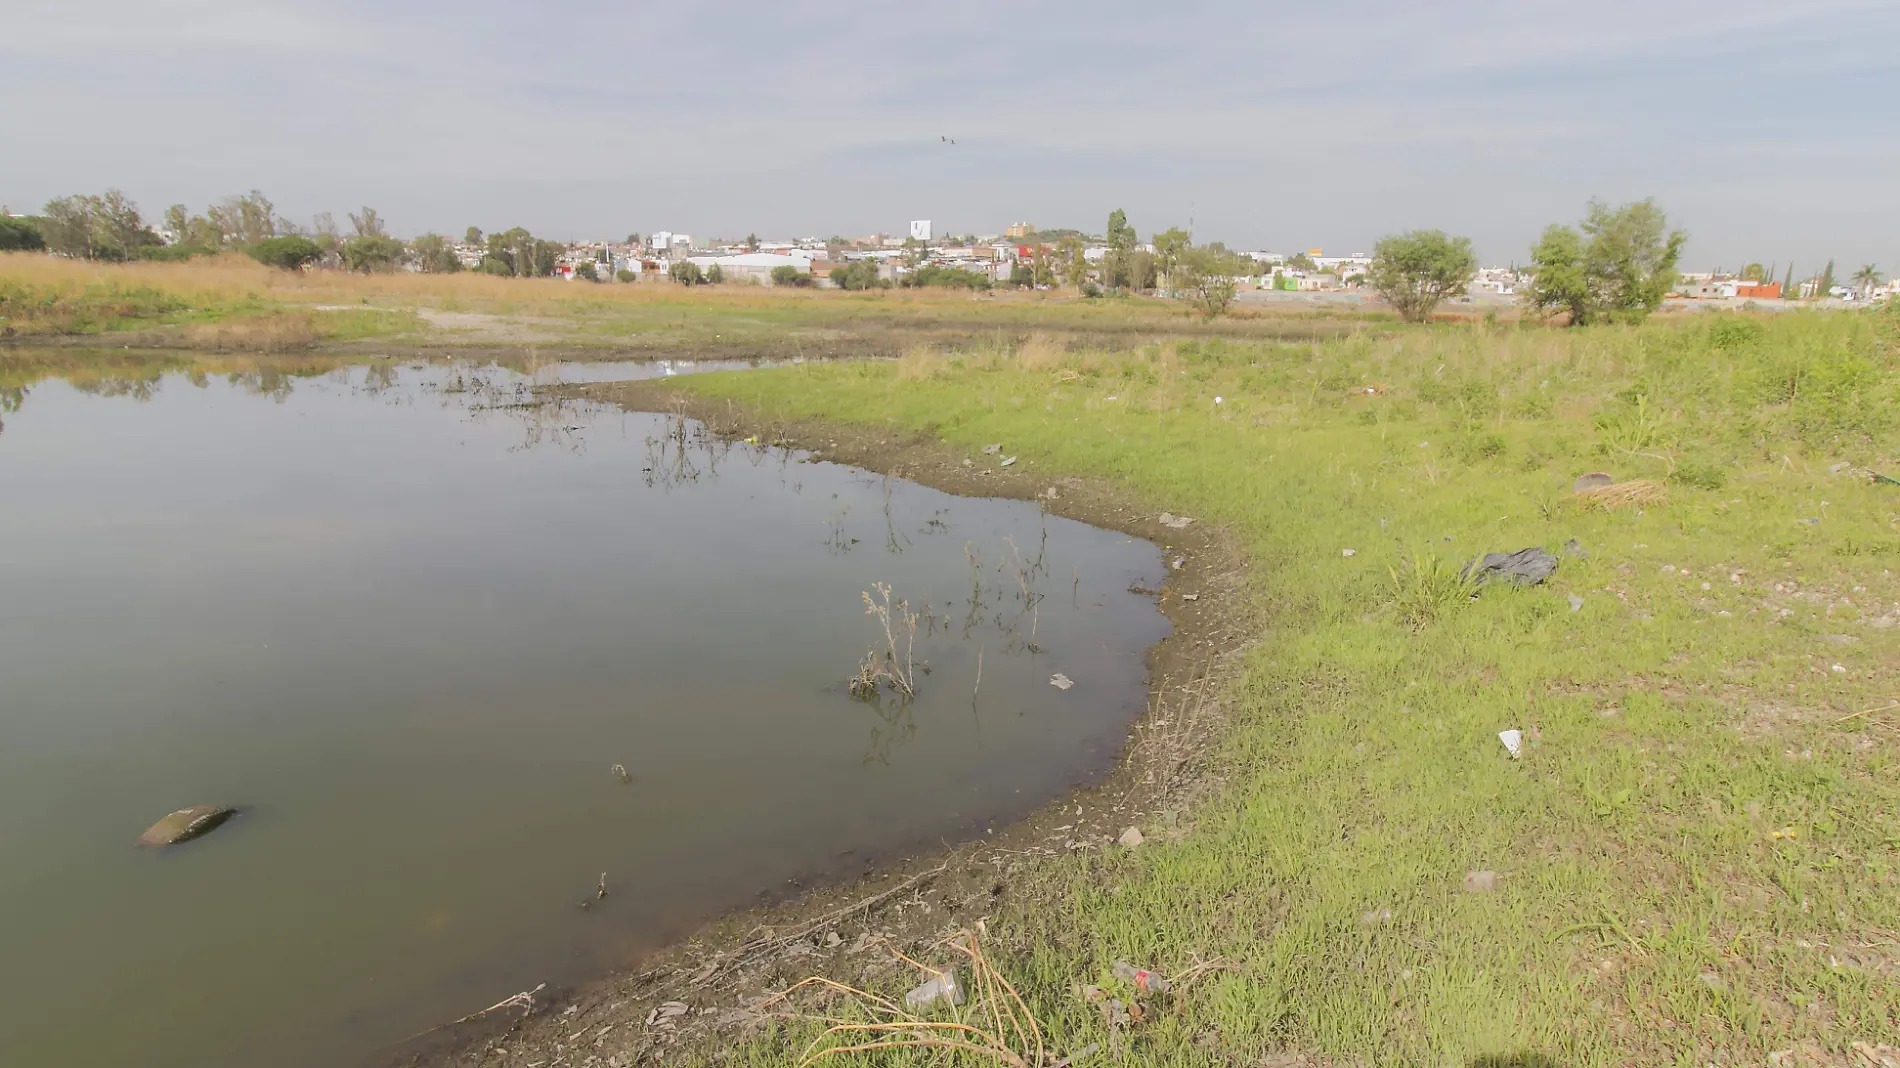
pixel 1417 270
pixel 20 235
pixel 472 236
pixel 1300 261
pixel 687 273
pixel 625 276
pixel 1753 272
pixel 1121 245
pixel 586 271
pixel 787 275
pixel 291 252
pixel 104 227
pixel 858 275
pixel 1619 267
pixel 715 275
pixel 1787 284
pixel 434 255
pixel 1169 246
pixel 633 238
pixel 1206 277
pixel 372 253
pixel 752 242
pixel 1072 262
pixel 1826 284
pixel 1022 275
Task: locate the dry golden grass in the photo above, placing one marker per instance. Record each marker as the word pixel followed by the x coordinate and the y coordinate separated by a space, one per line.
pixel 1636 493
pixel 279 331
pixel 1041 352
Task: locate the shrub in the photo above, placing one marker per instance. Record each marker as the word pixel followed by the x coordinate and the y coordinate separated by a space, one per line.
pixel 715 274
pixel 858 275
pixel 787 275
pixel 286 253
pixel 686 273
pixel 625 276
pixel 586 271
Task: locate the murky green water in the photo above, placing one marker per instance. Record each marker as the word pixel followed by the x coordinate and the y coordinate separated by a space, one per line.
pixel 408 629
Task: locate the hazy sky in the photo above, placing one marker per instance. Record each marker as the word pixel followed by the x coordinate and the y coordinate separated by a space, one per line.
pixel 1770 129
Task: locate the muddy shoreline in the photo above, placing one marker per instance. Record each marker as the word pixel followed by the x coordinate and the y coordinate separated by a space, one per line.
pixel 838 922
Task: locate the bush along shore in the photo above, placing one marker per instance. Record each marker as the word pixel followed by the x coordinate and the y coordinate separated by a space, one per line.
pixel 1641 811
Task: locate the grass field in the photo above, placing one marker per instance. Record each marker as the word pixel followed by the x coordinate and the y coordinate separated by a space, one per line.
pixel 1695 855
pixel 236 303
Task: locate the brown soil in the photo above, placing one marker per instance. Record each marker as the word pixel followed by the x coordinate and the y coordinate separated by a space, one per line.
pixel 846 929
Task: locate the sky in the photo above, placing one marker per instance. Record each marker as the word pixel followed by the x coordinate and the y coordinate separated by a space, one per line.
pixel 1767 129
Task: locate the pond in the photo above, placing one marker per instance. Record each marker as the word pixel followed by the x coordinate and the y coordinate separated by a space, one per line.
pixel 416 628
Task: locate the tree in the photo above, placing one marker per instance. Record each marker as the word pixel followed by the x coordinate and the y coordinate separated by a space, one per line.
pixel 1072 262
pixel 586 271
pixel 1300 261
pixel 787 275
pixel 1621 265
pixel 104 227
pixel 290 253
pixel 1787 284
pixel 752 242
pixel 1826 286
pixel 1415 271
pixel 1205 275
pixel 633 238
pixel 242 221
pixel 1169 245
pixel 1022 275
pixel 1867 278
pixel 372 253
pixel 625 276
pixel 472 236
pixel 178 221
pixel 1121 243
pixel 858 275
pixel 433 254
pixel 20 235
pixel 1753 272
pixel 715 275
pixel 686 273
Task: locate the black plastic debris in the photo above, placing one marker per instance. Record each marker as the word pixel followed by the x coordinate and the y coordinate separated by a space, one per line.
pixel 1525 567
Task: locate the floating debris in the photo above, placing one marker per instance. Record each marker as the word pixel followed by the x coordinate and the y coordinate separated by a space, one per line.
pixel 186 824
pixel 1061 681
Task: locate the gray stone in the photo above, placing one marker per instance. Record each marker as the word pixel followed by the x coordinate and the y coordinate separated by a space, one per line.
pixel 1593 480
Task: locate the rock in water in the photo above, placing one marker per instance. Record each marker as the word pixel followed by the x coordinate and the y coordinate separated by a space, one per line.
pixel 186 824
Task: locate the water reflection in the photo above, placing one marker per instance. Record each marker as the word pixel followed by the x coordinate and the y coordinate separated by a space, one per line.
pixel 406 615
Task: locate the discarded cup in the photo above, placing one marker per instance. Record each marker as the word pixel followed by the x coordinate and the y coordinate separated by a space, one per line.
pixel 1142 979
pixel 1513 741
pixel 943 989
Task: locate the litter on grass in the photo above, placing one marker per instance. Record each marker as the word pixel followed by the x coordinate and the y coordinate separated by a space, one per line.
pixel 1141 979
pixel 992 450
pixel 1513 740
pixel 1007 460
pixel 940 989
pixel 1525 567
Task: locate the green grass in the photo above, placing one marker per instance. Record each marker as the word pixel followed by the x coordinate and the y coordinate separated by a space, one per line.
pixel 1696 854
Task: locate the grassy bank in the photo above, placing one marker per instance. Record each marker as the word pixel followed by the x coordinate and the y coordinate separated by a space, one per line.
pixel 233 301
pixel 1695 855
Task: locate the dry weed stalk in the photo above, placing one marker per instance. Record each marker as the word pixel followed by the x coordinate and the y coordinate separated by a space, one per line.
pixel 1636 493
pixel 997 1023
pixel 898 671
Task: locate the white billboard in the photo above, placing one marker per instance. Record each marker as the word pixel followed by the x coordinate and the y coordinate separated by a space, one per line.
pixel 920 229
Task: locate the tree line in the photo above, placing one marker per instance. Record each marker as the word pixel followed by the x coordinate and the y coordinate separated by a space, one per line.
pixel 1616 265
pixel 109 227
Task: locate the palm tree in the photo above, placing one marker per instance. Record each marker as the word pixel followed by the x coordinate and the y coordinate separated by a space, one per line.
pixel 1867 278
